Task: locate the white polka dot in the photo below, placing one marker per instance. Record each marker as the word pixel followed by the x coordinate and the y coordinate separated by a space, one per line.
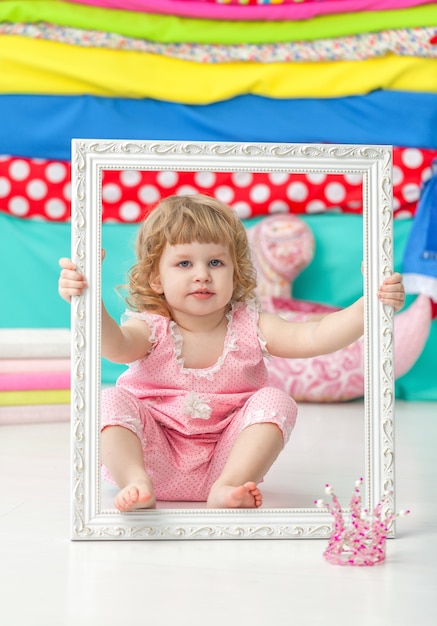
pixel 396 203
pixel 426 174
pixel 278 206
pixel 403 215
pixel 130 211
pixel 204 179
pixel 111 192
pixel 315 206
pixel 5 187
pixel 316 178
pixel 335 192
pixel 55 208
pixel 18 206
pixel 411 157
pixel 167 179
pixel 66 190
pixel 148 194
pixel 36 189
pixel 353 179
pixel 19 170
pixel 55 172
pixel 297 191
pixel 130 178
pixel 411 192
pixel 224 194
pixel 278 178
pixel 242 179
pixel 259 193
pixel 354 205
pixel 185 190
pixel 398 175
pixel 242 209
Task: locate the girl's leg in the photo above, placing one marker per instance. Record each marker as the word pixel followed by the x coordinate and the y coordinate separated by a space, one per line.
pixel 122 454
pixel 253 453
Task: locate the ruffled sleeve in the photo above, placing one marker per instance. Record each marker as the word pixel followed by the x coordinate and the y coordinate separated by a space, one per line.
pixel 253 307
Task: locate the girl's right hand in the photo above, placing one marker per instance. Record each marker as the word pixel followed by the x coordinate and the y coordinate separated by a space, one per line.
pixel 71 282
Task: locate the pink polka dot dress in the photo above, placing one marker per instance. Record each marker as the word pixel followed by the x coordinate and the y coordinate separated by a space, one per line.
pixel 188 419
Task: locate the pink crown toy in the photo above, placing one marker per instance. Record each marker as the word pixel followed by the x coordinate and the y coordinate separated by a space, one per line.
pixel 363 541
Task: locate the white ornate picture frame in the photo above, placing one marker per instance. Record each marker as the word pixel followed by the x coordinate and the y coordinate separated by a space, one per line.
pixel 90 520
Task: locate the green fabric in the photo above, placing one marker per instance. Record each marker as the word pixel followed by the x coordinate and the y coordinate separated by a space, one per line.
pixel 173 29
pixel 29 272
pixel 29 276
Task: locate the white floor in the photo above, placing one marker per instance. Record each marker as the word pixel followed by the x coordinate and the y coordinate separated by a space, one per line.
pixel 46 579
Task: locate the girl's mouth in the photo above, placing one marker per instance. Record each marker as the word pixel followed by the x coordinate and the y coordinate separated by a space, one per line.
pixel 202 294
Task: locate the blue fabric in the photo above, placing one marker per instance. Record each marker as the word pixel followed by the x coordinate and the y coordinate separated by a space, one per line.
pixel 43 126
pixel 420 256
pixel 429 196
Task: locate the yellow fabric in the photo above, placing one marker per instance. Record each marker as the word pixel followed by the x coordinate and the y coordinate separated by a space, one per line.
pixel 39 396
pixel 45 67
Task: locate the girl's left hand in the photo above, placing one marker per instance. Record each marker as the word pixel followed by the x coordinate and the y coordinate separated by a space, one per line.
pixel 392 291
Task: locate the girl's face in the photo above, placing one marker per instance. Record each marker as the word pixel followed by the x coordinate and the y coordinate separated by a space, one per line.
pixel 196 278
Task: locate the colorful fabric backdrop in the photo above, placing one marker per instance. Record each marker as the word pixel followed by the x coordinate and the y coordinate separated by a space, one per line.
pixel 340 71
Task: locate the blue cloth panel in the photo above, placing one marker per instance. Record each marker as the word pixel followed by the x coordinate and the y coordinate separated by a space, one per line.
pixel 43 126
pixel 429 196
pixel 421 250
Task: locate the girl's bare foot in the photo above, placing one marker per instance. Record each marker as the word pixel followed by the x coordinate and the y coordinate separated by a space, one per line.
pixel 247 496
pixel 135 496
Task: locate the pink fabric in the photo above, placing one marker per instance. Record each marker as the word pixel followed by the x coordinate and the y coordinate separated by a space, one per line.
pixel 188 420
pixel 282 12
pixel 9 366
pixel 21 381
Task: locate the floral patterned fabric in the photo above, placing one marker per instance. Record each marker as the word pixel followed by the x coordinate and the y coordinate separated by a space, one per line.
pixel 403 42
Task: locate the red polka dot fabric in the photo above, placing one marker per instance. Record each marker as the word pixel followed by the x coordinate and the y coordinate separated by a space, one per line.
pixel 39 188
pixel 35 188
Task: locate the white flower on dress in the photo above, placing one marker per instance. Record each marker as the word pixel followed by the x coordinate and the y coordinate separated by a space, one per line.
pixel 197 407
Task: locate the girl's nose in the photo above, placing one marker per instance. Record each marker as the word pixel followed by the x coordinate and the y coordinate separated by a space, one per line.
pixel 202 273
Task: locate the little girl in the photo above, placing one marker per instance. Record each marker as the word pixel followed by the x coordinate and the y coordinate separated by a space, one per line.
pixel 194 417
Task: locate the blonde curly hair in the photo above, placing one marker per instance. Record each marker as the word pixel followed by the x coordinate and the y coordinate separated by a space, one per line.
pixel 181 220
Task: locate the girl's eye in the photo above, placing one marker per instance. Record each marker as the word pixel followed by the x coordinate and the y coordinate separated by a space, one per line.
pixel 215 263
pixel 184 264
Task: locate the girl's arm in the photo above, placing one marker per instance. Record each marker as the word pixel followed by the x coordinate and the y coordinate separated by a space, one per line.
pixel 301 340
pixel 120 344
pixel 329 334
pixel 126 343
